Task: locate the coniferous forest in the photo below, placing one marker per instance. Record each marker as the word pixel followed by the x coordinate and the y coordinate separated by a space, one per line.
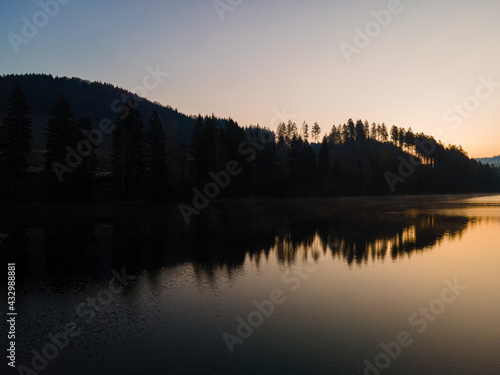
pixel 79 153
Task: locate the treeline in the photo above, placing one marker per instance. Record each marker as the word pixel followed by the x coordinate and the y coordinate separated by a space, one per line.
pixel 354 158
pixel 96 100
pixel 71 170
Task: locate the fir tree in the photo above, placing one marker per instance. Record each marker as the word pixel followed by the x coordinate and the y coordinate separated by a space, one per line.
pixel 60 158
pixel 324 163
pixel 127 150
pixel 15 137
pixel 85 172
pixel 155 155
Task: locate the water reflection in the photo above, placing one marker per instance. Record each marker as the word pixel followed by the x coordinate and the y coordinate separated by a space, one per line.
pixel 200 279
pixel 79 245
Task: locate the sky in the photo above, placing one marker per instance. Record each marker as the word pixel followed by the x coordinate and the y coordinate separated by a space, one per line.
pixel 433 66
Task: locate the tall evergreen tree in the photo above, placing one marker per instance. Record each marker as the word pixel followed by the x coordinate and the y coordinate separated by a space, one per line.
pixel 60 158
pixel 305 173
pixel 15 137
pixel 127 150
pixel 291 131
pixel 155 153
pixel 401 137
pixel 267 175
pixel 199 152
pixel 374 132
pixel 305 131
pixel 156 157
pixel 85 172
pixel 324 164
pixel 384 134
pixel 394 135
pixel 281 132
pixel 350 133
pixel 409 140
pixel 316 132
pixel 360 132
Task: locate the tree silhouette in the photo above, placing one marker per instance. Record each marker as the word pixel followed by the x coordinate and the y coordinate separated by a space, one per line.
pixel 155 156
pixel 360 132
pixel 305 131
pixel 324 171
pixel 384 135
pixel 291 130
pixel 374 134
pixel 85 172
pixel 409 140
pixel 199 152
pixel 15 137
pixel 316 132
pixel 395 135
pixel 267 173
pixel 61 159
pixel 127 150
pixel 281 132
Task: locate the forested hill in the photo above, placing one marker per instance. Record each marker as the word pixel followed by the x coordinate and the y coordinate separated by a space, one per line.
pixel 92 99
pixel 50 151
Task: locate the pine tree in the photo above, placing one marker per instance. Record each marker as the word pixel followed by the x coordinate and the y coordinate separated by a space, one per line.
pixel 360 132
pixel 85 172
pixel 305 173
pixel 394 134
pixel 401 137
pixel 155 155
pixel 293 154
pixel 15 137
pixel 315 132
pixel 335 136
pixel 409 140
pixel 374 132
pixel 127 150
pixel 305 131
pixel 324 164
pixel 350 133
pixel 60 158
pixel 281 132
pixel 384 133
pixel 291 130
pixel 267 175
pixel 199 151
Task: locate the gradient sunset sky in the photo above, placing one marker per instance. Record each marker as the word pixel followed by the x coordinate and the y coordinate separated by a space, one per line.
pixel 259 58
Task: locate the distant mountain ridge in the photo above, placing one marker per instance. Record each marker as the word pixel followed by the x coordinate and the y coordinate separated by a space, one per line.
pixel 493 161
pixel 93 99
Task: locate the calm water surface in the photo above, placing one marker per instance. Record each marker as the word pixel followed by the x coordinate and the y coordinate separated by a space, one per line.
pixel 346 275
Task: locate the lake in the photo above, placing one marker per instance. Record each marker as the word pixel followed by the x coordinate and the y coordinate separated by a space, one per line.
pixel 402 285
